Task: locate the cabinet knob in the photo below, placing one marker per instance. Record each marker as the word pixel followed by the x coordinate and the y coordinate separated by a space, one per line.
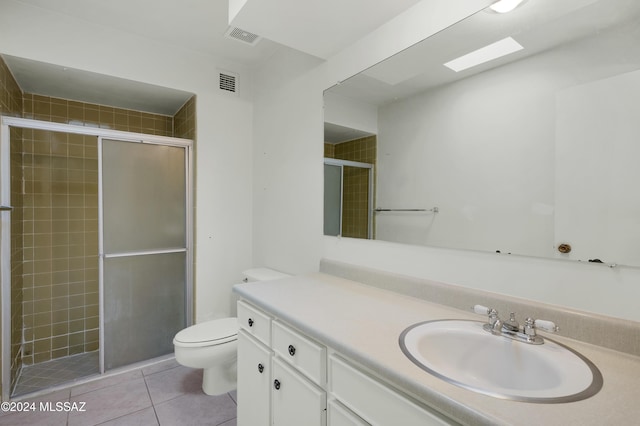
pixel 250 322
pixel 292 350
pixel 276 384
pixel 260 368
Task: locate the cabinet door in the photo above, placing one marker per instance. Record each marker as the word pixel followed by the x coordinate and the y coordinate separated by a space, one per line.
pixel 376 402
pixel 295 401
pixel 339 415
pixel 254 381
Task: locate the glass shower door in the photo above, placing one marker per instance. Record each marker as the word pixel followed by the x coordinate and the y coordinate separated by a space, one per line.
pixel 144 249
pixel 332 200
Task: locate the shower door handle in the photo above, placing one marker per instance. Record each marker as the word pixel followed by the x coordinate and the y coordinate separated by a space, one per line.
pixel 6 208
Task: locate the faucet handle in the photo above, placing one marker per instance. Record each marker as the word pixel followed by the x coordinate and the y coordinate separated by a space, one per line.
pixel 481 310
pixel 545 325
pixel 531 325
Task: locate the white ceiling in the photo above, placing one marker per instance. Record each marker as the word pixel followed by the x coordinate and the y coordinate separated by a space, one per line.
pixel 321 28
pixel 188 24
pixel 317 27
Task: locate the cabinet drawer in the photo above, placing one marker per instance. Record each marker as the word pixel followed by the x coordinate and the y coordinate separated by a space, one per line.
pixel 256 322
pixel 306 355
pixel 339 415
pixel 375 402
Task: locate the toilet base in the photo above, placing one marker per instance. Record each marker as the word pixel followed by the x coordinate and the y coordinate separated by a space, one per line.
pixel 220 379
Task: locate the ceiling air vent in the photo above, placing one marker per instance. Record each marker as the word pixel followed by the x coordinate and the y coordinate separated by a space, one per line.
pixel 228 82
pixel 241 35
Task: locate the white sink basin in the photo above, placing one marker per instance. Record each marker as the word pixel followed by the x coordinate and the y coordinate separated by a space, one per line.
pixel 464 354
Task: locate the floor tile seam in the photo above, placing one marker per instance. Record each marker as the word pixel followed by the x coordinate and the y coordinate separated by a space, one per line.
pixel 235 405
pixel 183 395
pixel 160 371
pixel 166 400
pixel 148 405
pixel 153 405
pixel 127 414
pixel 98 379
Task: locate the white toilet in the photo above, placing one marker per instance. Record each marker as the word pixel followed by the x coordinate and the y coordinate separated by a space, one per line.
pixel 212 345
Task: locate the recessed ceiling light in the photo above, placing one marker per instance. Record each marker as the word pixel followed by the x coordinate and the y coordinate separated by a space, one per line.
pixel 504 6
pixel 488 53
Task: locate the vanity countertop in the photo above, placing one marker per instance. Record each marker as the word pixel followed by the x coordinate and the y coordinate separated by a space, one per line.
pixel 364 324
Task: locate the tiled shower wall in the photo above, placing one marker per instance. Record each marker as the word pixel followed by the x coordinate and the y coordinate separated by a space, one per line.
pixel 60 245
pixel 355 200
pixel 184 122
pixel 72 112
pixel 11 105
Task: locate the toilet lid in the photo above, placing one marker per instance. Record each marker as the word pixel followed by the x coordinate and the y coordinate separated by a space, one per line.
pixel 208 333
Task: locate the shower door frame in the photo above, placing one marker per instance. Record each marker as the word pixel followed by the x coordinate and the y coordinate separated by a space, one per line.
pixel 5 233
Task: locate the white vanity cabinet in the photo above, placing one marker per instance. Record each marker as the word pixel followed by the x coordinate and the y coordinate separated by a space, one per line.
pixel 281 373
pixel 286 378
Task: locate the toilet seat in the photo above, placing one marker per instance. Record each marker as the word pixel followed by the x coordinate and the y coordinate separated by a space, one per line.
pixel 209 333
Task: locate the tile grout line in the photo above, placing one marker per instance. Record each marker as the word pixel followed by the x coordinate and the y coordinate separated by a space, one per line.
pixel 153 405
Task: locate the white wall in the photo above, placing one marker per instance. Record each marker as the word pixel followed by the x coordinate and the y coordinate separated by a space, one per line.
pixel 288 120
pixel 287 163
pixel 223 149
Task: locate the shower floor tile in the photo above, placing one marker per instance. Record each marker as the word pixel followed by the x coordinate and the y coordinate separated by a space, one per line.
pixel 56 372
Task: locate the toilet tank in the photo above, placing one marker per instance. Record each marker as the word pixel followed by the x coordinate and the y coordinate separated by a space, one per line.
pixel 254 275
pixel 262 274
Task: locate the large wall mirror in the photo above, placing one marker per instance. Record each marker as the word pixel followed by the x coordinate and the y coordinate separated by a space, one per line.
pixel 535 152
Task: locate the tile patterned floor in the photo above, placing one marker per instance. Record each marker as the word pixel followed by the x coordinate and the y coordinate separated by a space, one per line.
pixel 164 394
pixel 52 373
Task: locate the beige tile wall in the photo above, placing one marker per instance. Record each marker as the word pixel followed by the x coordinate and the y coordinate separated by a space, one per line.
pixel 10 93
pixel 60 281
pixel 329 150
pixel 184 122
pixel 362 150
pixel 72 112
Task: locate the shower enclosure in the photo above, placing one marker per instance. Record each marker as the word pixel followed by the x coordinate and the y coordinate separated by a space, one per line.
pixel 348 198
pixel 95 244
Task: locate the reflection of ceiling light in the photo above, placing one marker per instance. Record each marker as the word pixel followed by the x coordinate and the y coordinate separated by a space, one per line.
pixel 504 6
pixel 484 54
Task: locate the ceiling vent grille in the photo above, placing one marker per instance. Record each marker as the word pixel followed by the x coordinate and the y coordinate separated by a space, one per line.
pixel 246 37
pixel 228 82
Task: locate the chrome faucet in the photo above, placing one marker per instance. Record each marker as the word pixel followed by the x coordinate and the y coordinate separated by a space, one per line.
pixel 512 329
